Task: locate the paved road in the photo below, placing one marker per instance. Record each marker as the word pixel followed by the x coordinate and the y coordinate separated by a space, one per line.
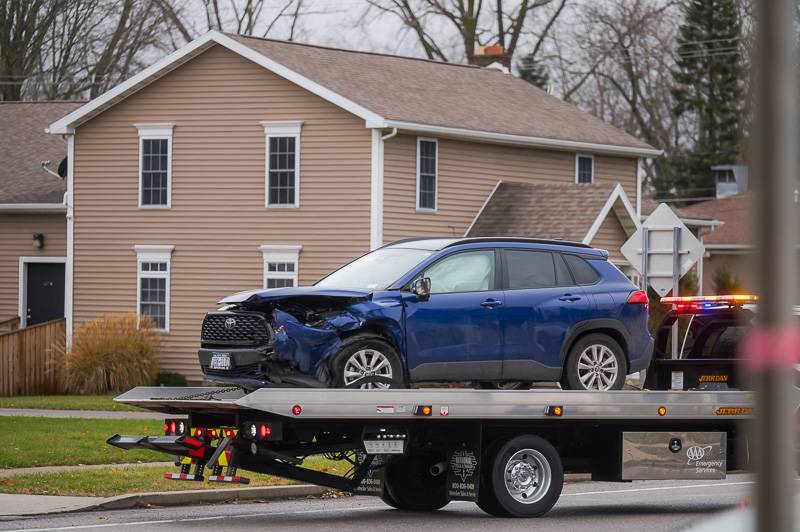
pixel 598 507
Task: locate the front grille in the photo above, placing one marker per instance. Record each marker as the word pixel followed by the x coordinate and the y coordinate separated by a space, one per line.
pixel 249 330
pixel 248 370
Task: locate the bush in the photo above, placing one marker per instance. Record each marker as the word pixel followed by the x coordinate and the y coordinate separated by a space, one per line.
pixel 112 354
pixel 166 378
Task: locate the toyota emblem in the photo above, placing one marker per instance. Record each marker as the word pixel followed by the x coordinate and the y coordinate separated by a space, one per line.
pixel 230 323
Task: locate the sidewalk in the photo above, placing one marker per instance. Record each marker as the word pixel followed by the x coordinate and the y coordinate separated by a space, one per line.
pixel 81 414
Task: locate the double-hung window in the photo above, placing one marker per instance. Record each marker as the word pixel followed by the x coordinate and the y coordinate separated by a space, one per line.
pixel 283 163
pixel 281 264
pixel 584 169
pixel 427 174
pixel 153 265
pixel 155 165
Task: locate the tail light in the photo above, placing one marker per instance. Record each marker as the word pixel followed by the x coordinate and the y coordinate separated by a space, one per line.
pixel 638 297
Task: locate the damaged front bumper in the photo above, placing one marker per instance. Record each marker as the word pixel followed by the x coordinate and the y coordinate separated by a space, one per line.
pixel 254 368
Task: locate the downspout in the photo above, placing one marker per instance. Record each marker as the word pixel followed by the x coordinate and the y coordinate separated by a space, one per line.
pixel 68 267
pixel 376 189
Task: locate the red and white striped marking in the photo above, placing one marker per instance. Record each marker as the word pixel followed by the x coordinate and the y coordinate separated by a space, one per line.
pixel 221 478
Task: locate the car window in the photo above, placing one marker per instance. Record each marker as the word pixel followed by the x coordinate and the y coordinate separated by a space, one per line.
pixel 471 271
pixel 563 277
pixel 582 271
pixel 530 269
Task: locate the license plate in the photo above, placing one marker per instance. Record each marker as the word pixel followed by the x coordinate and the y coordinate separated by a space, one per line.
pixel 383 446
pixel 221 361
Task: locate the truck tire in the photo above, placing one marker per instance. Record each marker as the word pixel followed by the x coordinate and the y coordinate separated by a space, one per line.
pixel 595 362
pixel 526 476
pixel 363 356
pixel 487 500
pixel 409 485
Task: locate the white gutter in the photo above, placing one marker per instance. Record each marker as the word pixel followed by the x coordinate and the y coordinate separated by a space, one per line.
pixel 522 140
pixel 32 208
pixel 376 188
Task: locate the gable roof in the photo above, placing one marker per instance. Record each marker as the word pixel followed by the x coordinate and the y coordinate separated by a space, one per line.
pixel 24 144
pixel 734 212
pixel 567 211
pixel 411 94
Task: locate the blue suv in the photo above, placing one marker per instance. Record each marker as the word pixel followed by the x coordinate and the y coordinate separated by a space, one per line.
pixel 501 312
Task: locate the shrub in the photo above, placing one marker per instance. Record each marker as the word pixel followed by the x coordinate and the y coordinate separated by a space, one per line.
pixel 112 354
pixel 166 378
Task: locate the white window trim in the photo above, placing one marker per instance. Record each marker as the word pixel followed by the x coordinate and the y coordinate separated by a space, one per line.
pixel 158 253
pixel 286 128
pixel 156 131
pixel 281 253
pixel 22 292
pixel 436 188
pixel 577 158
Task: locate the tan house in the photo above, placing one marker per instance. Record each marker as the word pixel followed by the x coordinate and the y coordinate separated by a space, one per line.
pixel 33 224
pixel 238 162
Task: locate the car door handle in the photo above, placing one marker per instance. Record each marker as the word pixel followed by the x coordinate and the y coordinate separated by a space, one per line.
pixel 569 297
pixel 491 303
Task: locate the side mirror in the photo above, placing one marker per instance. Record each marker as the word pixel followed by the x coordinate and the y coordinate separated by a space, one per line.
pixel 422 288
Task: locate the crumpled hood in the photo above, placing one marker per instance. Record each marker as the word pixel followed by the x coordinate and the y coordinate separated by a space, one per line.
pixel 280 293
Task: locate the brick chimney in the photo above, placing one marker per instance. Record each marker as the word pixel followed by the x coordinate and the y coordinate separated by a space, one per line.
pixel 494 53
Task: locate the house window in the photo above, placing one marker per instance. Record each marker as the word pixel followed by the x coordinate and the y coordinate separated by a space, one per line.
pixel 427 173
pixel 155 165
pixel 281 264
pixel 153 283
pixel 584 169
pixel 283 163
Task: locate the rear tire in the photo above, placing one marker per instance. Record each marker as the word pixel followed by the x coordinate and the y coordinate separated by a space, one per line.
pixel 526 476
pixel 367 355
pixel 487 500
pixel 595 362
pixel 408 485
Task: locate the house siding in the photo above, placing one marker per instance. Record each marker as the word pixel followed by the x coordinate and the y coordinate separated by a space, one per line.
pixel 468 171
pixel 16 240
pixel 218 220
pixel 611 236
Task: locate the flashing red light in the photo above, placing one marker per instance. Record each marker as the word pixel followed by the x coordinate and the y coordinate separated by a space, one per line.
pixel 166 428
pixel 697 304
pixel 296 410
pixel 198 432
pixel 172 427
pixel 228 433
pixel 264 431
pixel 638 297
pixel 211 433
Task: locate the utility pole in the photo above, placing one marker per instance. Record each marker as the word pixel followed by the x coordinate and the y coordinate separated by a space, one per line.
pixel 771 347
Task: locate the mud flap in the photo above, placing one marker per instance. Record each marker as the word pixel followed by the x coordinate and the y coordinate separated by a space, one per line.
pixel 372 481
pixel 463 467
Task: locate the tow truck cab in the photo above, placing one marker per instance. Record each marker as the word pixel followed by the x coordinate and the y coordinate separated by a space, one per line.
pixel 709 357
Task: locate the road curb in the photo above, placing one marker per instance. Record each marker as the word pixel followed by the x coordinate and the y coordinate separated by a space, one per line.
pixel 192 497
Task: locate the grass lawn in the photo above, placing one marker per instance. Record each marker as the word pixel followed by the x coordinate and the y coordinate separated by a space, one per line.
pixel 37 441
pixel 67 402
pixel 111 480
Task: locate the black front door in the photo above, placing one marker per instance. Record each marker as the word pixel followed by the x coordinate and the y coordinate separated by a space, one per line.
pixel 45 292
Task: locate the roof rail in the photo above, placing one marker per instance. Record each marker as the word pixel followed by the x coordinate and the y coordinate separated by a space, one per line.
pixel 553 242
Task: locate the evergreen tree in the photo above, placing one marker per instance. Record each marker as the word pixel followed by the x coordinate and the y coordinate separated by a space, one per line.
pixel 709 92
pixel 533 71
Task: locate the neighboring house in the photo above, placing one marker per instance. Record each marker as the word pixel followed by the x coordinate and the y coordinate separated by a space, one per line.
pixel 238 162
pixel 598 215
pixel 33 224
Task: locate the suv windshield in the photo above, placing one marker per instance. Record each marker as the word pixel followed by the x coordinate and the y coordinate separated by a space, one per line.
pixel 376 270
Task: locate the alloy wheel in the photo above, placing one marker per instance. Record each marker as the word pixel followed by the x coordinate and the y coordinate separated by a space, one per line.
pixel 597 368
pixel 367 363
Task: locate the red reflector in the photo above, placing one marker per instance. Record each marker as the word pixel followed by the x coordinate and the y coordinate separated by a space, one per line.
pixel 264 431
pixel 172 427
pixel 638 298
pixel 296 410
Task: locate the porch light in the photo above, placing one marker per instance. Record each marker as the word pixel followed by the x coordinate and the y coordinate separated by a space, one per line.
pixel 38 240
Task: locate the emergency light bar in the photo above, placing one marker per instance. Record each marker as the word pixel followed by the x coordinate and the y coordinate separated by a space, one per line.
pixel 693 304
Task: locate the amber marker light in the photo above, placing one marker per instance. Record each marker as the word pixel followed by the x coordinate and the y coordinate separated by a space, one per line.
pixel 662 410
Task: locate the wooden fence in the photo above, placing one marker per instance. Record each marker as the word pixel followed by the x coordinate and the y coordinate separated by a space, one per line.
pixel 29 364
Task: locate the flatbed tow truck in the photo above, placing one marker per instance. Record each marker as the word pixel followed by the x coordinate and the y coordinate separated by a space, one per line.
pixel 419 449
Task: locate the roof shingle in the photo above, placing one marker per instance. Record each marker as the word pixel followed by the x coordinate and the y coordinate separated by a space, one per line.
pixel 24 145
pixel 442 94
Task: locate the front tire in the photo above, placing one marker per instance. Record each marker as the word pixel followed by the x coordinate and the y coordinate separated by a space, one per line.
pixel 364 357
pixel 596 363
pixel 526 477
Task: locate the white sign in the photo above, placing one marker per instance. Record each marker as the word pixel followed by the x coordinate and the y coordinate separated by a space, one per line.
pixel 660 248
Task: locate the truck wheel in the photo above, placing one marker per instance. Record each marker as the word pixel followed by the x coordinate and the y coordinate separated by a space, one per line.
pixel 409 485
pixel 487 499
pixel 596 362
pixel 365 356
pixel 526 476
